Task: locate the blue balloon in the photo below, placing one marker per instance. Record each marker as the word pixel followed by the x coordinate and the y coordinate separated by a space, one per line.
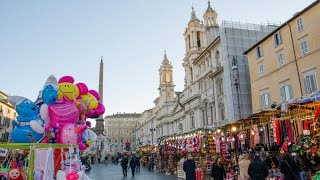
pixel 49 95
pixel 27 110
pixel 24 134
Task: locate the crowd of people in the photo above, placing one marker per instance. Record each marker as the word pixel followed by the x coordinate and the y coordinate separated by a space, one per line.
pixel 255 166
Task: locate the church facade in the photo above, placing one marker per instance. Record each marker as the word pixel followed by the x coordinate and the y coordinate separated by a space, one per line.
pixel 217 83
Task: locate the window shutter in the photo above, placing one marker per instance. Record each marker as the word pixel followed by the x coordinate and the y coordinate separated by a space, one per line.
pixel 291 92
pixel 313 83
pixel 263 105
pixel 305 85
pixel 279 36
pixel 283 94
pixel 269 99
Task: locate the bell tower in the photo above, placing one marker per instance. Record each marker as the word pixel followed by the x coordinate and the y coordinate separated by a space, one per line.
pixel 166 86
pixel 210 21
pixel 195 43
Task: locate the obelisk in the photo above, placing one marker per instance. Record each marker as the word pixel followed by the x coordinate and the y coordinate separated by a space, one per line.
pixel 100 121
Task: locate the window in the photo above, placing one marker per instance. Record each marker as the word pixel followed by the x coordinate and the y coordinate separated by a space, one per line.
pixel 203 118
pixel 121 140
pixel 259 51
pixel 189 43
pixel 0 108
pixel 127 131
pixel 280 58
pixel 8 111
pixel 277 39
pixel 0 121
pixel 121 130
pixel 221 111
pixel 310 82
pixel 219 87
pixel 261 69
pixel 286 93
pixel 192 122
pixel 304 46
pixel 212 115
pixel 300 24
pixel 110 131
pixel 115 141
pixel 265 100
pixel 198 39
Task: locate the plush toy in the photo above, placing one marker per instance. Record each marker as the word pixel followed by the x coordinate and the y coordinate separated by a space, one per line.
pixel 15 173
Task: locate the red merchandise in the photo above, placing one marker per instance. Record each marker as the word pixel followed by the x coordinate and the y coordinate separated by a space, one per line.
pixel 277 132
pixel 199 174
pixel 288 127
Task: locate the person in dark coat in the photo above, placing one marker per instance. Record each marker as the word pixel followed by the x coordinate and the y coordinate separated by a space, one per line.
pixel 289 168
pixel 189 167
pixel 217 170
pixel 258 169
pixel 124 165
pixel 133 164
pixel 138 164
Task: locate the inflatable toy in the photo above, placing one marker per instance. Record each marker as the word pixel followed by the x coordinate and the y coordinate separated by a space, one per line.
pixel 67 88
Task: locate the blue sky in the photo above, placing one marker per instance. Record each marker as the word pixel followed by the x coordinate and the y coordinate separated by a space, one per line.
pixel 39 38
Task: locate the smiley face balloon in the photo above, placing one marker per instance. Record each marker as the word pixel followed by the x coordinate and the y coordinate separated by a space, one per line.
pixel 67 89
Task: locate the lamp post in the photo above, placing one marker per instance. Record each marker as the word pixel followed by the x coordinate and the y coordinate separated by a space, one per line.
pixel 152 131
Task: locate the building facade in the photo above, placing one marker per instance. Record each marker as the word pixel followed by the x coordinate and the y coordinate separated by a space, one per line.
pixel 7 115
pixel 120 130
pixel 285 64
pixel 217 89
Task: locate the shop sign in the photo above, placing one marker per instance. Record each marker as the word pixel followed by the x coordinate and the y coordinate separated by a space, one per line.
pixel 3 152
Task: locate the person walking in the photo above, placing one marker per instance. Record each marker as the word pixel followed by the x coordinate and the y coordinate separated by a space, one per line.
pixel 138 164
pixel 189 167
pixel 289 168
pixel 244 166
pixel 124 165
pixel 258 169
pixel 133 164
pixel 217 170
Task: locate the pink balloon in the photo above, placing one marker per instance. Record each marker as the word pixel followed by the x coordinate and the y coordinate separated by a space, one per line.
pixel 95 94
pixel 83 88
pixel 72 134
pixel 100 109
pixel 62 113
pixel 68 79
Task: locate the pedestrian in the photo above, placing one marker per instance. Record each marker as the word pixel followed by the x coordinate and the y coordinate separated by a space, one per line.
pixel 106 159
pixel 124 165
pixel 133 164
pixel 289 168
pixel 244 166
pixel 92 160
pixel 217 170
pixel 138 164
pixel 258 169
pixel 189 167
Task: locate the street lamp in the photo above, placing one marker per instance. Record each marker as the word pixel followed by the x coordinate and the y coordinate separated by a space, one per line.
pixel 152 131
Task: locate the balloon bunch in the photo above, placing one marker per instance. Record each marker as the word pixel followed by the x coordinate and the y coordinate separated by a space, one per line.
pixel 58 115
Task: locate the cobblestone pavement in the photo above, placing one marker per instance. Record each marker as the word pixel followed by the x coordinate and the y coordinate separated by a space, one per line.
pixel 114 172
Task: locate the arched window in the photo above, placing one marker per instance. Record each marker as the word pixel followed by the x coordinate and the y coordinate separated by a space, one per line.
pixel 198 39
